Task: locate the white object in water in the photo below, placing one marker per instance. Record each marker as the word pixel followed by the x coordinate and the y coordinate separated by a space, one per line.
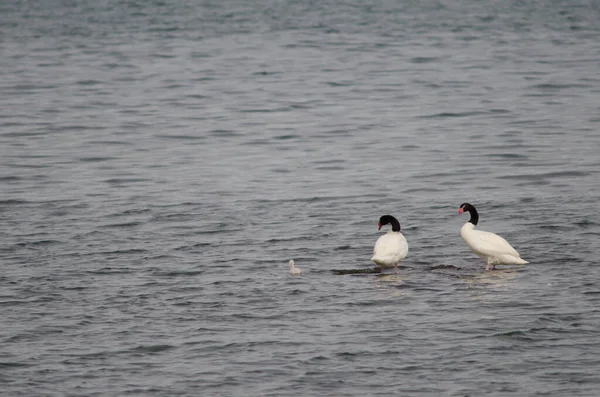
pixel 293 269
pixel 392 247
pixel 490 247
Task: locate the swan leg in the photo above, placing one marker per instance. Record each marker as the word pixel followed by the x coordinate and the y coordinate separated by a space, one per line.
pixel 488 266
pixel 396 269
pixel 494 267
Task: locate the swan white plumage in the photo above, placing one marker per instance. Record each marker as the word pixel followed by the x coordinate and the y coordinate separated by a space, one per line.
pixel 490 247
pixel 392 247
pixel 293 269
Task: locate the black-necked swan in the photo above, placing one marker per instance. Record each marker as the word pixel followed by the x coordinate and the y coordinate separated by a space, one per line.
pixel 293 269
pixel 392 247
pixel 490 247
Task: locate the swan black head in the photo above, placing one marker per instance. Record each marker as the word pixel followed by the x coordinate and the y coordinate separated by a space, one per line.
pixel 384 220
pixel 469 208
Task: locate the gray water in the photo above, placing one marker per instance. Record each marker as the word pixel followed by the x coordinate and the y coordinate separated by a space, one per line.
pixel 161 161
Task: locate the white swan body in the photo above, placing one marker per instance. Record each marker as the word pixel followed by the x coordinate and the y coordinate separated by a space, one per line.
pixel 293 269
pixel 390 248
pixel 490 247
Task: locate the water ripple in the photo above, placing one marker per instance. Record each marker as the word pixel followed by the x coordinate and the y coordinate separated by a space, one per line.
pixel 162 161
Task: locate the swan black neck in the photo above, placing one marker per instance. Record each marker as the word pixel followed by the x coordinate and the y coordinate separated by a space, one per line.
pixel 384 220
pixel 474 215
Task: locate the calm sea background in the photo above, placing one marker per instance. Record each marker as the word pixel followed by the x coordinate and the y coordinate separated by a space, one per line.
pixel 161 161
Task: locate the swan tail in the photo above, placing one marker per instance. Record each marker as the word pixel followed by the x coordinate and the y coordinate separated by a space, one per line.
pixel 384 261
pixel 511 260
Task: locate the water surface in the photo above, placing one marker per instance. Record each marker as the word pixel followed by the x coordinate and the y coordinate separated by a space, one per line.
pixel 160 163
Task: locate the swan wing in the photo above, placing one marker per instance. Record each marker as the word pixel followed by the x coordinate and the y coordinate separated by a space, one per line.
pixel 491 244
pixel 391 246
